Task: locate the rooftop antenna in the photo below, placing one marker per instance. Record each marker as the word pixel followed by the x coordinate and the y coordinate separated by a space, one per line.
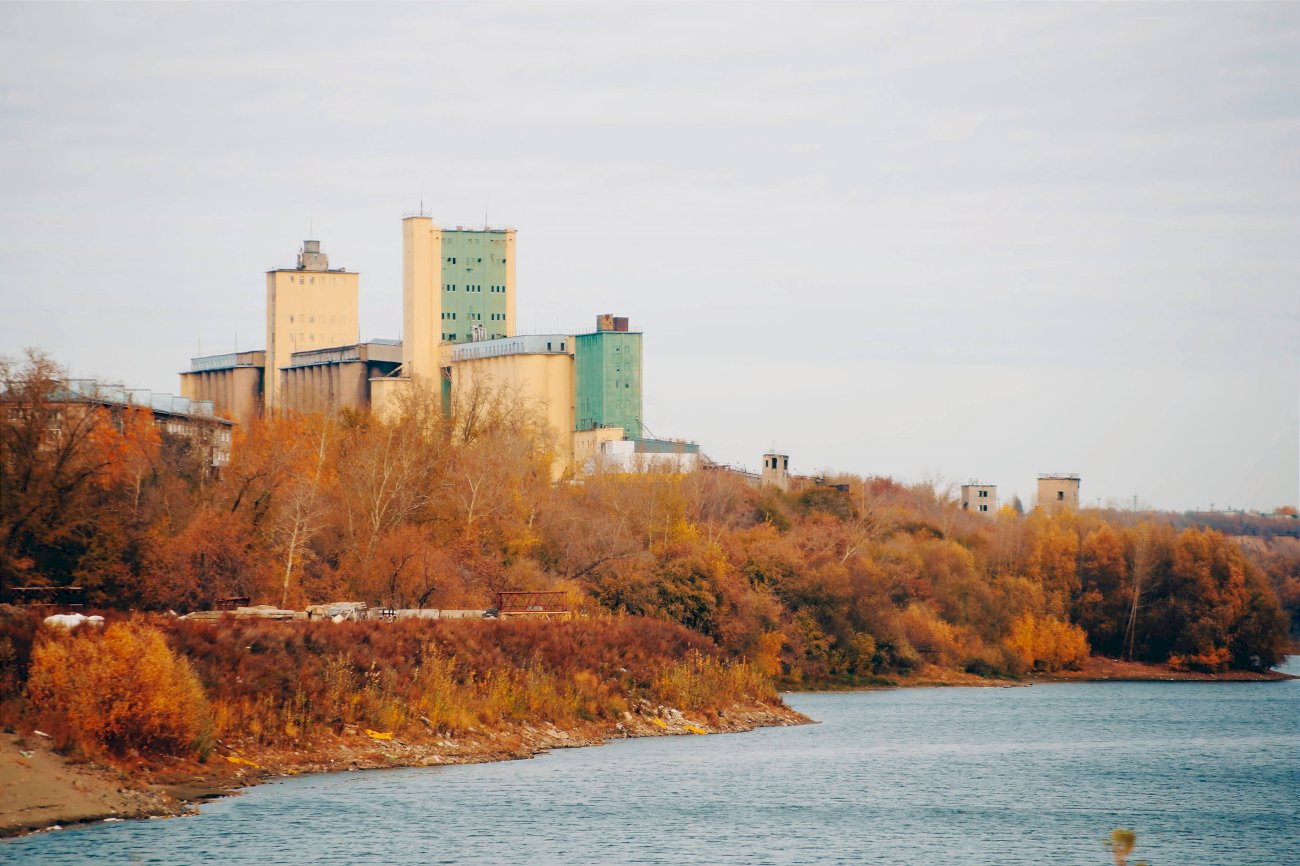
pixel 311 223
pixel 485 213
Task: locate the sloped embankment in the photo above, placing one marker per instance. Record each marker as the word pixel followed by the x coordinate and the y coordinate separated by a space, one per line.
pixel 160 712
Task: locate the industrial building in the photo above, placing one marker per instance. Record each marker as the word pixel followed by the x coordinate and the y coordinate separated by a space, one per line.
pixel 458 333
pixel 309 307
pixel 1058 492
pixel 776 471
pixel 980 498
pixel 196 421
pixel 608 373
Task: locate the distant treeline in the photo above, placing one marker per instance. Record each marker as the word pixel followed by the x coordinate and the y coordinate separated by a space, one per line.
pixel 873 579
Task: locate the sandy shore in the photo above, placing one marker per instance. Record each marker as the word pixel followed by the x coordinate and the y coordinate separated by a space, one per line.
pixel 40 789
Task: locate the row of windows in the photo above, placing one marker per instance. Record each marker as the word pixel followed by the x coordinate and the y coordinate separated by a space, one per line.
pixel 451 260
pixel 478 317
pixel 451 338
pixel 311 320
pixel 311 281
pixel 475 289
pixel 334 339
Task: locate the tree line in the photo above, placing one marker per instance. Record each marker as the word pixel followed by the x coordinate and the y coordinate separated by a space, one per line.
pixel 843 582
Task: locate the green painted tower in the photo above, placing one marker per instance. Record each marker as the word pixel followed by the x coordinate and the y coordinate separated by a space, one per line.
pixel 607 370
pixel 477 283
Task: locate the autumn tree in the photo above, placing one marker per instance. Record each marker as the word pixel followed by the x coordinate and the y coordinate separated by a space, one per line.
pixel 49 461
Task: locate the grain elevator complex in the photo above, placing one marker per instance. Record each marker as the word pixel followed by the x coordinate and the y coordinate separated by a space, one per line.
pixel 458 333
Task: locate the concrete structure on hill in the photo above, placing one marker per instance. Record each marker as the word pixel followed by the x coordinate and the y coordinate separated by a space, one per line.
pixel 608 370
pixel 331 380
pixel 587 387
pixel 458 341
pixel 233 383
pixel 309 307
pixel 1058 492
pixel 608 450
pixel 776 471
pixel 980 498
pixel 536 368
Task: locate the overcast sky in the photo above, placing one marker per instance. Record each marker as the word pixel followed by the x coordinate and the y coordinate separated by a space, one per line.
pixel 925 241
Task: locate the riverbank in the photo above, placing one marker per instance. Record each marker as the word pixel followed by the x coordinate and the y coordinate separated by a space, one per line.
pixel 1101 669
pixel 39 789
pixel 1095 669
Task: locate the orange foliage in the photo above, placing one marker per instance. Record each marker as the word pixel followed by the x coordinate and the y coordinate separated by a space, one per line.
pixel 1046 643
pixel 119 689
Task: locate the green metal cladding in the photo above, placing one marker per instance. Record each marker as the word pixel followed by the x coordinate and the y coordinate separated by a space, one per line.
pixel 473 284
pixel 607 367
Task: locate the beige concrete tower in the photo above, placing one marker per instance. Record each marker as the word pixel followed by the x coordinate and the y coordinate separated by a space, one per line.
pixel 421 297
pixel 776 471
pixel 1058 492
pixel 308 307
pixel 980 498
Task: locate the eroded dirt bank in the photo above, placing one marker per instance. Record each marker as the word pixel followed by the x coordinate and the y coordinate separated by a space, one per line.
pixel 40 789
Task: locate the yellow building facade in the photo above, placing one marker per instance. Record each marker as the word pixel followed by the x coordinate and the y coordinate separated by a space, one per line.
pixel 537 369
pixel 232 383
pixel 309 307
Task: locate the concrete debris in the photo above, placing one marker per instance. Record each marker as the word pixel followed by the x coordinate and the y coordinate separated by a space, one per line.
pixel 72 620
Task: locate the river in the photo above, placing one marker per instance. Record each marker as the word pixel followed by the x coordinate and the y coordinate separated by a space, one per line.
pixel 1206 773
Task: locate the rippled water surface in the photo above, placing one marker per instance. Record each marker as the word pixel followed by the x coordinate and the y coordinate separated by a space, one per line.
pixel 1207 773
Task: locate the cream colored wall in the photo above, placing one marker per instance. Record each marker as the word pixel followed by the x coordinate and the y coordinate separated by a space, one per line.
pixel 421 297
pixel 235 392
pixel 1049 487
pixel 971 500
pixel 306 310
pixel 325 388
pixel 544 380
pixel 586 447
pixel 385 396
pixel 510 283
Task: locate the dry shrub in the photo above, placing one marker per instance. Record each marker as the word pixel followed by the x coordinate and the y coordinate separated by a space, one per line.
pixel 118 689
pixel 702 682
pixel 287 682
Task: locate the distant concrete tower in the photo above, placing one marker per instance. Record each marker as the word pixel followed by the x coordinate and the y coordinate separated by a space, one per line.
pixel 776 471
pixel 1058 492
pixel 980 498
pixel 307 307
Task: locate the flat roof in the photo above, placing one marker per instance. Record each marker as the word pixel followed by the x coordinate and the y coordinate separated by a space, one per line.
pixel 523 344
